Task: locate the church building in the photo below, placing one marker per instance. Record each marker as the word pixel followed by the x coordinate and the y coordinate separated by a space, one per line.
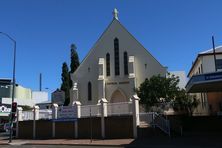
pixel 114 67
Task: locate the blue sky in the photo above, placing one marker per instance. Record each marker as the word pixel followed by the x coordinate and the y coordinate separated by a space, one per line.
pixel 173 31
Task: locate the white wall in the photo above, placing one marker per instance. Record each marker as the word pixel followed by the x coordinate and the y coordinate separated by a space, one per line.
pixel 104 45
pixel 20 102
pixel 40 96
pixel 182 77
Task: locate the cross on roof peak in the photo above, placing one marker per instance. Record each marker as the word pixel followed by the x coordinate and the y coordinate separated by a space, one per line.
pixel 115 14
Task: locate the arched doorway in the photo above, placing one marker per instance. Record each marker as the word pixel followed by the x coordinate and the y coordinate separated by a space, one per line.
pixel 118 96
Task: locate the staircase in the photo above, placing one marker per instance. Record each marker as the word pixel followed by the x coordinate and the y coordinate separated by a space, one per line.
pixel 153 124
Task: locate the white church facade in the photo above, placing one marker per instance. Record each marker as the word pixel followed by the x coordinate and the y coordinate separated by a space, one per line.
pixel 115 66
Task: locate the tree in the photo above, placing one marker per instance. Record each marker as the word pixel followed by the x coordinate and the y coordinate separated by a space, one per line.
pixel 65 86
pixel 185 102
pixel 74 61
pixel 66 79
pixel 157 90
pixel 164 90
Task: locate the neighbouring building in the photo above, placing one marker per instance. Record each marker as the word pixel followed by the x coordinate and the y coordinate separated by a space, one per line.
pixel 205 75
pixel 45 104
pixel 40 96
pixel 182 76
pixel 23 96
pixel 58 97
pixel 116 65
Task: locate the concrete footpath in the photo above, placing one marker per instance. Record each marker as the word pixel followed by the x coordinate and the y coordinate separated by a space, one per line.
pixel 188 141
pixel 94 142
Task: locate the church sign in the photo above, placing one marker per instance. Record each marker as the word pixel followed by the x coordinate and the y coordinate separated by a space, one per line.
pixel 115 83
pixel 66 113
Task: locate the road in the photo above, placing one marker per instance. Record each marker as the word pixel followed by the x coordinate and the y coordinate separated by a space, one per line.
pixel 4 135
pixel 52 146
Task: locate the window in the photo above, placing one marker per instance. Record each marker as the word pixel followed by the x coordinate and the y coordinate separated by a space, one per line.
pixel 125 57
pixel 219 64
pixel 107 64
pixel 116 56
pixel 201 67
pixel 89 91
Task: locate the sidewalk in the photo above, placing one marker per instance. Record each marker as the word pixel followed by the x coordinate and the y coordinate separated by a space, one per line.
pixel 95 142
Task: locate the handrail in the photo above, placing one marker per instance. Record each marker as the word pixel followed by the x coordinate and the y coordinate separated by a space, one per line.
pixel 162 123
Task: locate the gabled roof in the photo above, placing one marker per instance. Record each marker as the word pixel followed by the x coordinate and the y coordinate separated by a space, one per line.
pixel 114 20
pixel 93 47
pixel 218 50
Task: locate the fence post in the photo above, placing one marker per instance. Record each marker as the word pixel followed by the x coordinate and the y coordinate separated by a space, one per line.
pixel 77 107
pixel 35 117
pixel 54 116
pixel 103 104
pixel 135 110
pixel 19 118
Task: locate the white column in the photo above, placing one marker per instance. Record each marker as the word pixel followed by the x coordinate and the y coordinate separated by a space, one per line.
pixel 132 75
pixel 74 93
pixel 101 81
pixel 77 107
pixel 54 116
pixel 19 118
pixel 103 104
pixel 135 109
pixel 35 117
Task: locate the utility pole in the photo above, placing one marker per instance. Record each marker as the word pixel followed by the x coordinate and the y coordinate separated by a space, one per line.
pixel 13 86
pixel 214 53
pixel 40 82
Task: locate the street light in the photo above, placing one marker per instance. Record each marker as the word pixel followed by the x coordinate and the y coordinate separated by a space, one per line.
pixel 13 87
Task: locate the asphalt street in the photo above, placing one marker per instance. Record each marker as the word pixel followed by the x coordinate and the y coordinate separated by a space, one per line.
pixel 52 146
pixel 4 135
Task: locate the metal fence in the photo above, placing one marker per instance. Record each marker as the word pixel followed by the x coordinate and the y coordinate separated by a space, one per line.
pixel 90 110
pixel 123 108
pixel 156 120
pixel 146 118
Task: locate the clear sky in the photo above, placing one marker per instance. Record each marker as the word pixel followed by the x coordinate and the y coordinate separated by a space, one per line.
pixel 173 31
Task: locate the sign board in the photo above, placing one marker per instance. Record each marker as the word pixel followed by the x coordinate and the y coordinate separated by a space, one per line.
pixel 4 109
pixel 66 113
pixel 213 76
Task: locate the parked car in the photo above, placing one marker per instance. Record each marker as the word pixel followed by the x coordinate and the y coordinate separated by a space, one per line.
pixel 7 127
pixel 2 127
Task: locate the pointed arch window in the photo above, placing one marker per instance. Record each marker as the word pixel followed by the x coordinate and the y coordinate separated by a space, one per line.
pixel 116 55
pixel 125 57
pixel 107 64
pixel 89 91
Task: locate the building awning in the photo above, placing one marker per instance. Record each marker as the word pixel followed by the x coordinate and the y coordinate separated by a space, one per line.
pixel 209 82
